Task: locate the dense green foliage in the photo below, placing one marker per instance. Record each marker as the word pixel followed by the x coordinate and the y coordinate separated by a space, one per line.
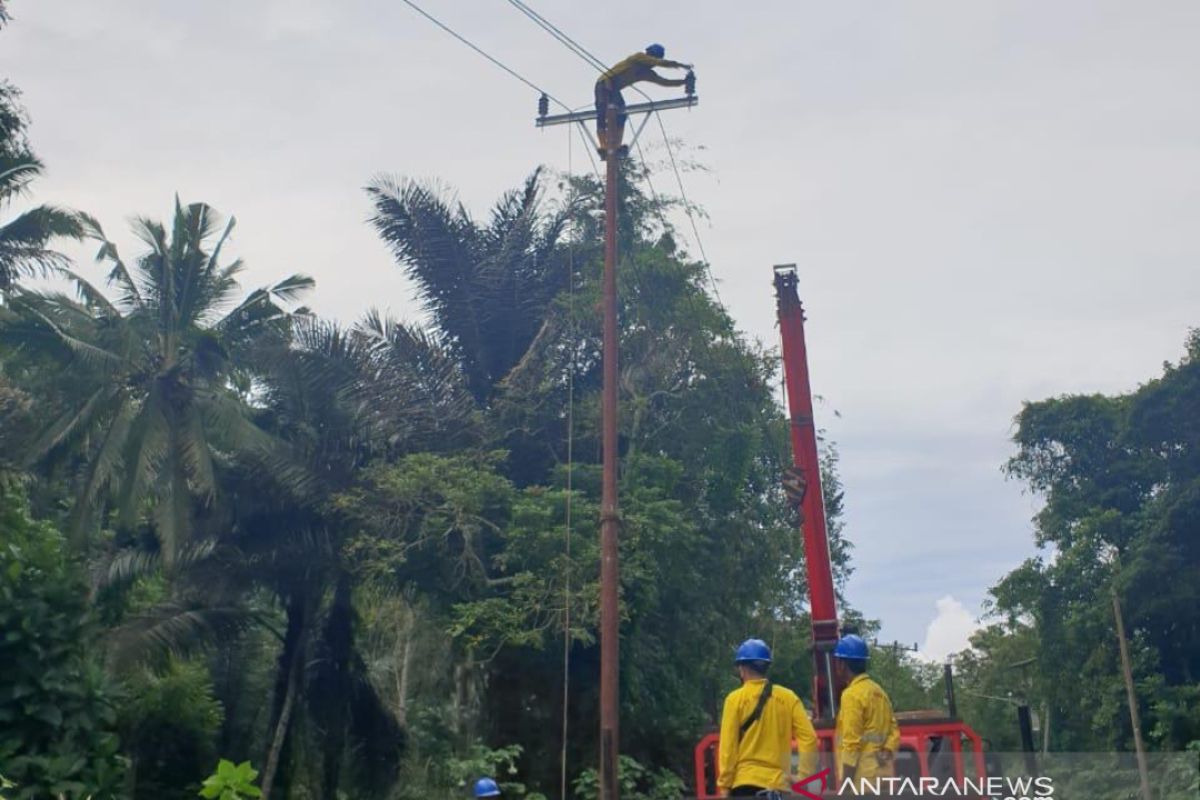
pixel 57 721
pixel 169 722
pixel 1121 479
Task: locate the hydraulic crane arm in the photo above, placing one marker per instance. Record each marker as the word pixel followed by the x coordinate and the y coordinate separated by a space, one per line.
pixel 823 600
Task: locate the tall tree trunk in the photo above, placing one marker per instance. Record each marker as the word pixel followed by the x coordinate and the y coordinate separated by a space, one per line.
pixel 281 727
pixel 333 686
pixel 287 685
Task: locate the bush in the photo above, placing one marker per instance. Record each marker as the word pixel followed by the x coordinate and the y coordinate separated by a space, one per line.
pixel 56 722
pixel 637 782
pixel 169 724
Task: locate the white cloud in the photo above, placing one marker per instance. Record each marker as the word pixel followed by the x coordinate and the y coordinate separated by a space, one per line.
pixel 950 631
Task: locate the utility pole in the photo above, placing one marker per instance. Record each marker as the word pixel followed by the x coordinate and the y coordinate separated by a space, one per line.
pixel 610 636
pixel 610 519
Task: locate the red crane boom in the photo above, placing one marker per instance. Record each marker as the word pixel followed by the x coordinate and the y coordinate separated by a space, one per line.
pixel 822 599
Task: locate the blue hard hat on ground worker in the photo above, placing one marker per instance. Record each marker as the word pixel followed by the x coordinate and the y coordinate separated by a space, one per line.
pixel 752 650
pixel 851 648
pixel 656 50
pixel 486 787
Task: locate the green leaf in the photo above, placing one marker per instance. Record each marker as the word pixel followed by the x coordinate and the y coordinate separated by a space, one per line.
pixel 49 714
pixel 212 787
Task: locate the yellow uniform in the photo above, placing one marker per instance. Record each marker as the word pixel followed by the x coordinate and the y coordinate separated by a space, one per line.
pixel 638 67
pixel 763 757
pixel 866 727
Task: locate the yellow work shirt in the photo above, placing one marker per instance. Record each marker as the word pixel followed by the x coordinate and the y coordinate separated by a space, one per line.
pixel 865 727
pixel 763 757
pixel 638 67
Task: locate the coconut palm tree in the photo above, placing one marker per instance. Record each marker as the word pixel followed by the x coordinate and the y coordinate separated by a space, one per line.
pixel 152 386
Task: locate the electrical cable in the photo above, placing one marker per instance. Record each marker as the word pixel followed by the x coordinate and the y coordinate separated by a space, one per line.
pixel 502 66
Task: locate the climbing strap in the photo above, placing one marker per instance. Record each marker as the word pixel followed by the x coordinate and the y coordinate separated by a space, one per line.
pixel 757 712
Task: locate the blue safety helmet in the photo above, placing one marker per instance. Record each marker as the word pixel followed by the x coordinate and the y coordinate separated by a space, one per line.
pixel 753 650
pixel 656 50
pixel 851 648
pixel 486 787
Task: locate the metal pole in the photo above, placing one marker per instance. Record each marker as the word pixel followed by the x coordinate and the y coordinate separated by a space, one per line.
pixel 951 701
pixel 609 519
pixel 1134 717
pixel 830 683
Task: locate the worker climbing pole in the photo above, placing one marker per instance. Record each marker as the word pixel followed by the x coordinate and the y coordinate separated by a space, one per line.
pixel 610 115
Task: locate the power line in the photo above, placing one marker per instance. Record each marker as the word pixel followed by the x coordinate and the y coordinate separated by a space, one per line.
pixel 481 52
pixel 503 66
pixel 558 34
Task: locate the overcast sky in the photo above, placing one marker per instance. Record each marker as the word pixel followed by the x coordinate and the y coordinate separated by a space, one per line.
pixel 990 202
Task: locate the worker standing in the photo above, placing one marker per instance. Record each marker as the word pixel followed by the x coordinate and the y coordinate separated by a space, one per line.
pixel 635 68
pixel 867 736
pixel 758 725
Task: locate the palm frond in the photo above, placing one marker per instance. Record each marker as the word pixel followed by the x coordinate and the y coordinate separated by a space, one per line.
pixel 174 629
pixel 292 288
pixel 191 442
pixel 106 463
pixel 32 308
pixel 89 294
pixel 131 296
pixel 225 415
pixel 436 244
pixel 131 563
pixel 173 507
pixel 69 424
pixel 417 389
pixel 42 223
pixel 16 172
pixel 144 457
pixel 24 242
pixel 216 283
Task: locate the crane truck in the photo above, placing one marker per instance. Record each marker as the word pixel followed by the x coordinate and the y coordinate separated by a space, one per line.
pixel 932 743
